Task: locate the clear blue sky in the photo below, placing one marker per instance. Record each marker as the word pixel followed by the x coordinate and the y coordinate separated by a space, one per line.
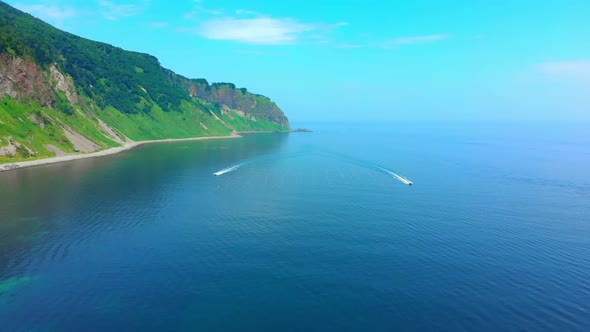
pixel 362 60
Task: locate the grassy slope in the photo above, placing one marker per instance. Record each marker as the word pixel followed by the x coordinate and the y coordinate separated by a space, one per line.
pixel 243 124
pixel 194 120
pixel 16 123
pixel 158 124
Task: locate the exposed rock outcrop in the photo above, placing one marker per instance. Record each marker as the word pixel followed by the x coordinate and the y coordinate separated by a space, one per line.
pixel 64 84
pixel 13 147
pixel 58 152
pixel 22 79
pixel 110 132
pixel 9 150
pixel 80 142
pixel 38 121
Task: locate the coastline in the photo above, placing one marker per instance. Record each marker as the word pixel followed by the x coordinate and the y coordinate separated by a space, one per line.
pixel 264 131
pixel 101 153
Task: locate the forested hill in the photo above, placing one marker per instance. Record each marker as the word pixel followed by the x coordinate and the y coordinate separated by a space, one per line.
pixel 60 93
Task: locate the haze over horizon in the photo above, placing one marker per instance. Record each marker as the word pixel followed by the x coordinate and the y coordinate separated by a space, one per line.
pixel 353 60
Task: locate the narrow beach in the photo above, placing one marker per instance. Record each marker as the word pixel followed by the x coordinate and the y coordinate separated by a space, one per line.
pixel 125 147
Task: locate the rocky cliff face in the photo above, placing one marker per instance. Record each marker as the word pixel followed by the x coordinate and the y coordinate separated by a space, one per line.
pixel 227 97
pixel 23 79
pixel 61 83
pixel 26 82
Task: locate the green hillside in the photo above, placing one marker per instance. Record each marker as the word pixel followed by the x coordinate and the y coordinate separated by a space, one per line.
pixel 60 93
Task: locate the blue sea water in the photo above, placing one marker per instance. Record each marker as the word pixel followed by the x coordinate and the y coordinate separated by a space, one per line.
pixel 308 234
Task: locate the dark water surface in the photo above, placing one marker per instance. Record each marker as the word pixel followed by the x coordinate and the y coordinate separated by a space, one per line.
pixel 307 235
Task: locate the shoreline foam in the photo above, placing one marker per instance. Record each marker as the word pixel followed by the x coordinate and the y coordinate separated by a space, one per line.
pixel 107 152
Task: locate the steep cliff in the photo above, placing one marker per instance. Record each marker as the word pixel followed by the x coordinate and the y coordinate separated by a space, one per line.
pixel 60 93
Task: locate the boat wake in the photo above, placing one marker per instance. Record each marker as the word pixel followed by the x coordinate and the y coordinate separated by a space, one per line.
pixel 339 156
pixel 369 165
pixel 227 170
pixel 255 161
pixel 400 178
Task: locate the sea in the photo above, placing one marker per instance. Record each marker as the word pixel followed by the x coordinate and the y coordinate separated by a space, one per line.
pixel 307 232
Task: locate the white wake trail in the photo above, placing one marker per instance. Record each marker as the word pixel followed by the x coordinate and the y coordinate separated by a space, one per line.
pixel 227 170
pixel 400 178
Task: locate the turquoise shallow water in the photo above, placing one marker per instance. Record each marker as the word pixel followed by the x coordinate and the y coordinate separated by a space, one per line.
pixel 307 234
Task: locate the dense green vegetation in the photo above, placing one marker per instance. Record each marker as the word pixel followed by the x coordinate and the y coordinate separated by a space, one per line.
pixel 158 124
pixel 21 122
pixel 129 91
pixel 107 74
pixel 112 76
